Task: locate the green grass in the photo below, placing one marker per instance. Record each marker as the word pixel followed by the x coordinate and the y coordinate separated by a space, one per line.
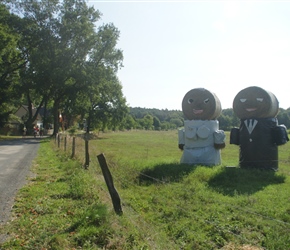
pixel 165 205
pixel 58 207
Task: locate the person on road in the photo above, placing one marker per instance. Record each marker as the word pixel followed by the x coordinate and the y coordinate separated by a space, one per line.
pixel 35 131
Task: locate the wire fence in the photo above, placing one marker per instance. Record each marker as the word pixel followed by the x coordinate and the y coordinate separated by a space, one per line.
pixel 74 146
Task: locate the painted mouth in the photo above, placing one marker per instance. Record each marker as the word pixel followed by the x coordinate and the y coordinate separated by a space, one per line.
pixel 251 109
pixel 197 111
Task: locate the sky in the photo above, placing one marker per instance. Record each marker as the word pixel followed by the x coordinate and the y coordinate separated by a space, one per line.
pixel 171 47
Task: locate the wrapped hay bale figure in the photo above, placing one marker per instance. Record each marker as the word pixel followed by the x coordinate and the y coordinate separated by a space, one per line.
pixel 201 140
pixel 259 133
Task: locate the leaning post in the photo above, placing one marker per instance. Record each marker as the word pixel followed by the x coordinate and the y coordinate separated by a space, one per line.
pixel 109 181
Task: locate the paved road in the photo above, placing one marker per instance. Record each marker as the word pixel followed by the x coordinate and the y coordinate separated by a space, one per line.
pixel 15 161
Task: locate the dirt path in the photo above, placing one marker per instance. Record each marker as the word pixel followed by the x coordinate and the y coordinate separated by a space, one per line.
pixel 15 161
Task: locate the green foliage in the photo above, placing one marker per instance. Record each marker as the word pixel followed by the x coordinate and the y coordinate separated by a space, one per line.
pixel 10 62
pixel 284 117
pixel 155 119
pixel 70 63
pixel 72 130
pixel 173 119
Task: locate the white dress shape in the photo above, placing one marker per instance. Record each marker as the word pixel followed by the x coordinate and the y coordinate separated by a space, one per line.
pixel 199 137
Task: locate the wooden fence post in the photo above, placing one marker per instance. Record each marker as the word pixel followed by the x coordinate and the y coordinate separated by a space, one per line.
pixel 65 143
pixel 109 181
pixel 87 154
pixel 73 147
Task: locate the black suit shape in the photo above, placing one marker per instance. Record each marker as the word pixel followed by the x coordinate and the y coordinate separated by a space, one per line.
pixel 257 145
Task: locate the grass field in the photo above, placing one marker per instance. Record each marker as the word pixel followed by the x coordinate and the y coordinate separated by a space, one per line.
pixel 165 205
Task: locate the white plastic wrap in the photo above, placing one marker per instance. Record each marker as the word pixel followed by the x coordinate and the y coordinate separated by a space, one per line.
pixel 199 137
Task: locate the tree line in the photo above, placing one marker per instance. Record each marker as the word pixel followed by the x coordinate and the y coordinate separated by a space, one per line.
pixel 155 119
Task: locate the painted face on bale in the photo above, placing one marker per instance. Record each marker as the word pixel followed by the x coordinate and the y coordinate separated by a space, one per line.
pixel 255 102
pixel 201 104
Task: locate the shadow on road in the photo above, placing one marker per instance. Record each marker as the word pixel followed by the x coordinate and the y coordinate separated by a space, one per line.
pixel 23 141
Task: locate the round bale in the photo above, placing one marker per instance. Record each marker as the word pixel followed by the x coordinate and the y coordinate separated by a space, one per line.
pixel 255 102
pixel 201 104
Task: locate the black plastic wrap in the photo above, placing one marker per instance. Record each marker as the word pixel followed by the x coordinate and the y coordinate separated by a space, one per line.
pixel 279 135
pixel 235 136
pixel 257 149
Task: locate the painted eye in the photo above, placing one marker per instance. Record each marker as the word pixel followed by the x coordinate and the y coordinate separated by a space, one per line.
pixel 243 100
pixel 190 101
pixel 260 99
pixel 206 101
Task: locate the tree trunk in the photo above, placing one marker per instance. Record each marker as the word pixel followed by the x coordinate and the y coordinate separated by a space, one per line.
pixel 55 117
pixel 44 118
pixel 87 138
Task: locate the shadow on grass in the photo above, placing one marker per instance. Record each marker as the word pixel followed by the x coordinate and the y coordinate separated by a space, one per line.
pixel 232 181
pixel 164 173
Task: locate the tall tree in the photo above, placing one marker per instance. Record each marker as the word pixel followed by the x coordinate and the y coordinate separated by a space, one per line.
pixel 104 98
pixel 71 58
pixel 11 61
pixel 64 34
